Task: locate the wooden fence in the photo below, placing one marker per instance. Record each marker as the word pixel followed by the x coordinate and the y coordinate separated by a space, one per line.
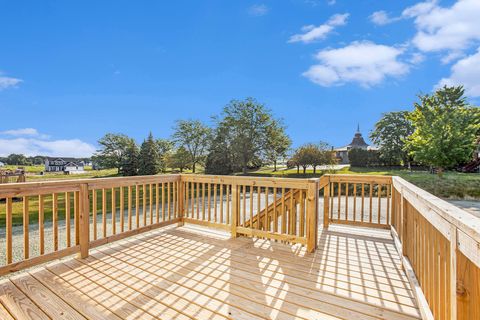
pixel 439 243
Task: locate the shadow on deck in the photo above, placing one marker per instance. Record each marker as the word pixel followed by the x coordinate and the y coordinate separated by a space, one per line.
pixel 191 272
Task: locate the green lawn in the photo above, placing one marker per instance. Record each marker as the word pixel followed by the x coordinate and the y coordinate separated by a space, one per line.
pixel 453 185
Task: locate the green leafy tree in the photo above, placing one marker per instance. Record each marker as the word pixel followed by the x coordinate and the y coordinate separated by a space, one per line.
pixel 220 159
pixel 17 159
pixel 313 155
pixel 277 144
pixel 130 161
pixel 390 135
pixel 113 148
pixel 149 163
pixel 195 137
pixel 247 122
pixel 445 129
pixel 164 147
pixel 180 159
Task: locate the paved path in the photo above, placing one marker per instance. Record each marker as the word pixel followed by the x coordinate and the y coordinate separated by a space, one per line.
pixel 472 206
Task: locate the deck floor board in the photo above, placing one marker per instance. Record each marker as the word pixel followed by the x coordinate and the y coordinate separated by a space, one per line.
pixel 190 273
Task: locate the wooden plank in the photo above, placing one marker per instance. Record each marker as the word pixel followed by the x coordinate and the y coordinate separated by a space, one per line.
pixel 114 210
pixel 150 199
pixel 271 235
pixel 137 206
pixel 326 206
pixel 209 224
pixel 8 231
pixel 41 225
pixel 241 258
pixel 129 204
pixel 67 219
pixel 50 303
pixel 157 202
pixel 17 304
pixel 122 209
pixel 55 220
pixel 104 212
pixel 76 216
pixel 250 281
pixel 26 223
pixel 84 221
pixel 89 307
pixel 19 265
pixel 94 213
pixel 4 314
pixel 144 203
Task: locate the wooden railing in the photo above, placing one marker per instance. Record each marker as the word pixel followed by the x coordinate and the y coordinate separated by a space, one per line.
pixel 76 215
pixel 362 200
pixel 440 245
pixel 438 242
pixel 238 204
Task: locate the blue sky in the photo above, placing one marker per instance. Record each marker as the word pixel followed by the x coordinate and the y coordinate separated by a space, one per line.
pixel 71 71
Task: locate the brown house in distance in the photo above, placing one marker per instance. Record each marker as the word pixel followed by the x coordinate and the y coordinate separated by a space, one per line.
pixel 357 143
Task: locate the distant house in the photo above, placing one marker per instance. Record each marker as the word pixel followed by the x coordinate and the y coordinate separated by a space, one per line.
pixel 2 164
pixel 357 143
pixel 66 165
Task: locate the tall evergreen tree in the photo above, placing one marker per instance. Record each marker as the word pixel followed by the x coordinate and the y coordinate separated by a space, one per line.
pixel 149 163
pixel 130 160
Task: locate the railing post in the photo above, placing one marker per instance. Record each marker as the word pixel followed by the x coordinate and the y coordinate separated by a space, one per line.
pixel 181 201
pixel 84 220
pixel 453 271
pixel 235 210
pixel 312 210
pixel 326 205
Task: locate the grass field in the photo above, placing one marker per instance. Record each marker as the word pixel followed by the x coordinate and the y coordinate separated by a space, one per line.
pixel 452 185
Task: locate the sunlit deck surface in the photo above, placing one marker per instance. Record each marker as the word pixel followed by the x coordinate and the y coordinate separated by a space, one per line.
pixel 190 272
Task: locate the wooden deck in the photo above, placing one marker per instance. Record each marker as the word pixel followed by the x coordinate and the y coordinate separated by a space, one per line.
pixel 188 272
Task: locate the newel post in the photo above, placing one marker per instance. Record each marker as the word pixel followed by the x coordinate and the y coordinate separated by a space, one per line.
pixel 181 201
pixel 84 220
pixel 326 206
pixel 312 215
pixel 235 210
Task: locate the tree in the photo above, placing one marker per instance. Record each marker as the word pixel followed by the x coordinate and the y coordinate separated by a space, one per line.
pixel 180 159
pixel 313 155
pixel 390 135
pixel 358 157
pixel 113 148
pixel 277 144
pixel 17 159
pixel 130 161
pixel 164 147
pixel 247 124
pixel 149 163
pixel 445 129
pixel 194 136
pixel 220 159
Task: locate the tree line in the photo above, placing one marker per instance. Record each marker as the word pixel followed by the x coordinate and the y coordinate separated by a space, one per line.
pixel 245 135
pixel 442 132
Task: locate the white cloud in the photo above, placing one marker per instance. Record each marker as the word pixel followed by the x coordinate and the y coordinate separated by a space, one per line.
pixel 258 10
pixel 30 142
pixel 365 63
pixel 8 82
pixel 21 132
pixel 312 33
pixel 451 29
pixel 465 72
pixel 382 18
pixel 416 58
